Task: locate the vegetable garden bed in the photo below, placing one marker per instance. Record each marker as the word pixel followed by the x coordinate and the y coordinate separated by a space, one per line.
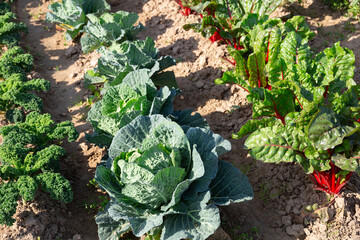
pixel 282 192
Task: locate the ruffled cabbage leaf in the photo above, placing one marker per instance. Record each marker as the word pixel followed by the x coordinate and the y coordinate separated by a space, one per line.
pixel 165 181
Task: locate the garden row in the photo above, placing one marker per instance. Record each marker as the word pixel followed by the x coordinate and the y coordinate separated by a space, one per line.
pixel 162 169
pixel 305 105
pixel 30 151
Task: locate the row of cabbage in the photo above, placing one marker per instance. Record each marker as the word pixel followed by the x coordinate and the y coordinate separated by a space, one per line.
pixel 30 151
pixel 305 105
pixel 162 169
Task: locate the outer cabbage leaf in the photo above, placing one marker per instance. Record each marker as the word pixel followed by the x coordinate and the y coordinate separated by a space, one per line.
pixel 230 186
pixel 71 14
pixel 196 219
pixel 108 228
pixel 108 29
pixel 115 63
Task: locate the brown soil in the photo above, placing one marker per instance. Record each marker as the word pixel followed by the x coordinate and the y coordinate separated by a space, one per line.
pixel 281 191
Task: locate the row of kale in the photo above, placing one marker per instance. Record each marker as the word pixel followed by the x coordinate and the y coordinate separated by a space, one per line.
pixel 30 151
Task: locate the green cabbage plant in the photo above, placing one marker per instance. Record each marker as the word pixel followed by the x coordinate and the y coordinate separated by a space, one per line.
pixel 71 14
pixel 166 182
pixel 136 95
pixel 108 29
pixel 120 59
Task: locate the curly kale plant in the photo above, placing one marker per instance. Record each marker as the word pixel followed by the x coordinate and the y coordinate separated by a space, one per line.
pixel 120 59
pixel 72 14
pixel 136 95
pixel 15 60
pixel 28 161
pixel 108 29
pixel 165 182
pixel 9 29
pixel 14 92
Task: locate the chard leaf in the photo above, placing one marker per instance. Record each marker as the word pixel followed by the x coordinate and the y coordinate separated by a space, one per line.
pixel 196 220
pixel 338 67
pixel 328 129
pixel 256 66
pixel 275 103
pixel 252 125
pixel 296 52
pixel 297 24
pixel 241 66
pixel 251 20
pixel 264 7
pixel 273 45
pixel 277 144
pixel 233 77
pixel 348 103
pixel 351 164
pixel 230 186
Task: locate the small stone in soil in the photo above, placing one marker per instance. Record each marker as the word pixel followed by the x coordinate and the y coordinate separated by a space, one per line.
pixel 286 220
pixel 200 84
pixel 295 230
pixel 77 237
pixel 30 221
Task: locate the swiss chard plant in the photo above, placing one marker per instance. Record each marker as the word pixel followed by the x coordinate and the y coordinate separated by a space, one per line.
pixel 305 110
pixel 135 96
pixel 72 14
pixel 224 20
pixel 10 30
pixel 29 160
pixel 16 91
pixel 121 59
pixel 266 40
pixel 166 182
pixel 108 29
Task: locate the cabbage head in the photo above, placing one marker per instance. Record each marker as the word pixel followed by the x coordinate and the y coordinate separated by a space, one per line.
pixel 165 181
pixel 136 95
